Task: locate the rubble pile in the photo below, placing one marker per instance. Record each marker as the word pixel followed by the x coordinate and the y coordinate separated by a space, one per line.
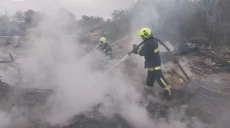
pixel 208 65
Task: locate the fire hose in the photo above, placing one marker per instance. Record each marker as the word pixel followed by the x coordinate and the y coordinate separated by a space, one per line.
pixel 186 75
pixel 175 61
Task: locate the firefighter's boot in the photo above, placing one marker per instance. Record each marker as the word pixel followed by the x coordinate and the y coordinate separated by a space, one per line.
pixel 168 93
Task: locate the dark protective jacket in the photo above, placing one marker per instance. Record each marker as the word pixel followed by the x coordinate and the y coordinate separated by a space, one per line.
pixel 106 49
pixel 151 53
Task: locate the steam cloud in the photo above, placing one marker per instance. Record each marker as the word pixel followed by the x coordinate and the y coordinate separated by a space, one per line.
pixel 54 61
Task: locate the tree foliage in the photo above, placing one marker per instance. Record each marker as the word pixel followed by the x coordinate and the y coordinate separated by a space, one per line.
pixel 205 21
pixel 18 23
pixel 172 20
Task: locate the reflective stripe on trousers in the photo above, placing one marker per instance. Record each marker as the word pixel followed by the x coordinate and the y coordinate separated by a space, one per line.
pixel 167 87
pixel 156 74
pixel 154 69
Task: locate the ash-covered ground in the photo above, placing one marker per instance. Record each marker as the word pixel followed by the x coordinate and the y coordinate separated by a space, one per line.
pixel 192 106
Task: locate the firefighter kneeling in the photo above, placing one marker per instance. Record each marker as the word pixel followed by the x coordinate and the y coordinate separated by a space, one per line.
pixel 152 62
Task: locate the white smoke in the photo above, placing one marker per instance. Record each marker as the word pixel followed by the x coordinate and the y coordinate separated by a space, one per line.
pixel 5 119
pixel 54 61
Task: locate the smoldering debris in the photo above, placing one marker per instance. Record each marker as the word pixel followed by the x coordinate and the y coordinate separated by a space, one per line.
pixel 61 84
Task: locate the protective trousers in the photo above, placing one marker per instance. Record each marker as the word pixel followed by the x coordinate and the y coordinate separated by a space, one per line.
pixel 158 76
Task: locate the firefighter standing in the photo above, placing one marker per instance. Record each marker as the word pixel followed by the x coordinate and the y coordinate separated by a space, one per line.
pixel 105 47
pixel 152 62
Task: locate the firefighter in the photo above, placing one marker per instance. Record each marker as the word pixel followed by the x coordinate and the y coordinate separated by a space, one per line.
pixel 105 47
pixel 152 62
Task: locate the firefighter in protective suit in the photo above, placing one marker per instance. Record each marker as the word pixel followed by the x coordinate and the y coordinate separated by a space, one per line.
pixel 152 62
pixel 105 47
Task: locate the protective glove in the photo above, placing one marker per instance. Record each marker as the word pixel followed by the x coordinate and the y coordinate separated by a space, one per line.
pixel 135 49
